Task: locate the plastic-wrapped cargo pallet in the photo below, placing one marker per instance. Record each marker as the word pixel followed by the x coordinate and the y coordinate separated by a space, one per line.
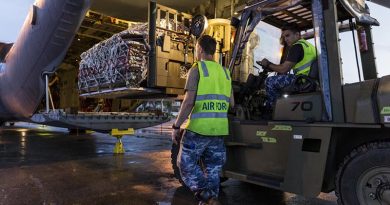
pixel 116 62
pixel 122 60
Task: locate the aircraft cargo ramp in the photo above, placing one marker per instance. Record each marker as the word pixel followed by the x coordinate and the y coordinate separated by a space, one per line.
pixel 99 121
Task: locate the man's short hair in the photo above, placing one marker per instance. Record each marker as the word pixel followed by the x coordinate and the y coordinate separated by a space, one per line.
pixel 291 27
pixel 208 44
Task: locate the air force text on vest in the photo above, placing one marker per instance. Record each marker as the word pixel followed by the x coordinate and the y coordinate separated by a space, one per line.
pixel 214 106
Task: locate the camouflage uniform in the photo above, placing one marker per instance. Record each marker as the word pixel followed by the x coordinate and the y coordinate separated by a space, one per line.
pixel 213 153
pixel 274 86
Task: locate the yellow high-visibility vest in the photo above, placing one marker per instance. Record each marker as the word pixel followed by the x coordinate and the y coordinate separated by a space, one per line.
pixel 309 55
pixel 209 114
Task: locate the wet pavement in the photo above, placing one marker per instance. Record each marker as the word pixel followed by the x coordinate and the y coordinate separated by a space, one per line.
pixel 44 165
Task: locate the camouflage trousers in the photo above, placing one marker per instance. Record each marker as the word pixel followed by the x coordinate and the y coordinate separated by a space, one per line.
pixel 212 151
pixel 274 86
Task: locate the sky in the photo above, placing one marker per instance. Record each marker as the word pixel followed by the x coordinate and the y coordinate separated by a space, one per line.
pixel 13 13
pixel 12 16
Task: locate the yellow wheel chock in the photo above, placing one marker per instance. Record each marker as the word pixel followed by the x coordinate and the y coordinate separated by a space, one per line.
pixel 118 149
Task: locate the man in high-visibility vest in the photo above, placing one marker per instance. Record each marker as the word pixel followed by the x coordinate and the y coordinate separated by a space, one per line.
pixel 206 102
pixel 300 57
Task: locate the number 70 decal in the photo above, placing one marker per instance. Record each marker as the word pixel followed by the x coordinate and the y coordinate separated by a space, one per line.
pixel 304 106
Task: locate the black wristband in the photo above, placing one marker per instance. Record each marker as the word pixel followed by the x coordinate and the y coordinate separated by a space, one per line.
pixel 174 127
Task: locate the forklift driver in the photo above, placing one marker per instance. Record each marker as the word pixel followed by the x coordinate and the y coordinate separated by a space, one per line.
pixel 300 56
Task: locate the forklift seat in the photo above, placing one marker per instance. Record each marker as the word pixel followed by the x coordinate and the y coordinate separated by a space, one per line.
pixel 313 74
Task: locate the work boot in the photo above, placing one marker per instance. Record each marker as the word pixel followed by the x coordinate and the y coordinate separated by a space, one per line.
pixel 205 197
pixel 212 201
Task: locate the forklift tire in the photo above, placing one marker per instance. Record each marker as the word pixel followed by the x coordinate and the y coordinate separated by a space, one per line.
pixel 364 176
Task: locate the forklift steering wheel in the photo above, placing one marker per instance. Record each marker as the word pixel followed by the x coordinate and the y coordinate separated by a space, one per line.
pixel 265 68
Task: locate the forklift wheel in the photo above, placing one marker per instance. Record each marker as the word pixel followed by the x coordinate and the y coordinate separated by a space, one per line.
pixel 364 176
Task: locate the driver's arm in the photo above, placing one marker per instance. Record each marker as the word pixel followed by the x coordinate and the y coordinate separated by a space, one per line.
pixel 285 67
pixel 295 54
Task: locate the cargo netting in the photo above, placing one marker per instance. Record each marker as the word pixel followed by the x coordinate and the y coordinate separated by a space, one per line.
pixel 116 62
pixel 122 60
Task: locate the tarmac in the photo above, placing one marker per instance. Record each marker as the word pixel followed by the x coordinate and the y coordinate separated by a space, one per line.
pixel 46 165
